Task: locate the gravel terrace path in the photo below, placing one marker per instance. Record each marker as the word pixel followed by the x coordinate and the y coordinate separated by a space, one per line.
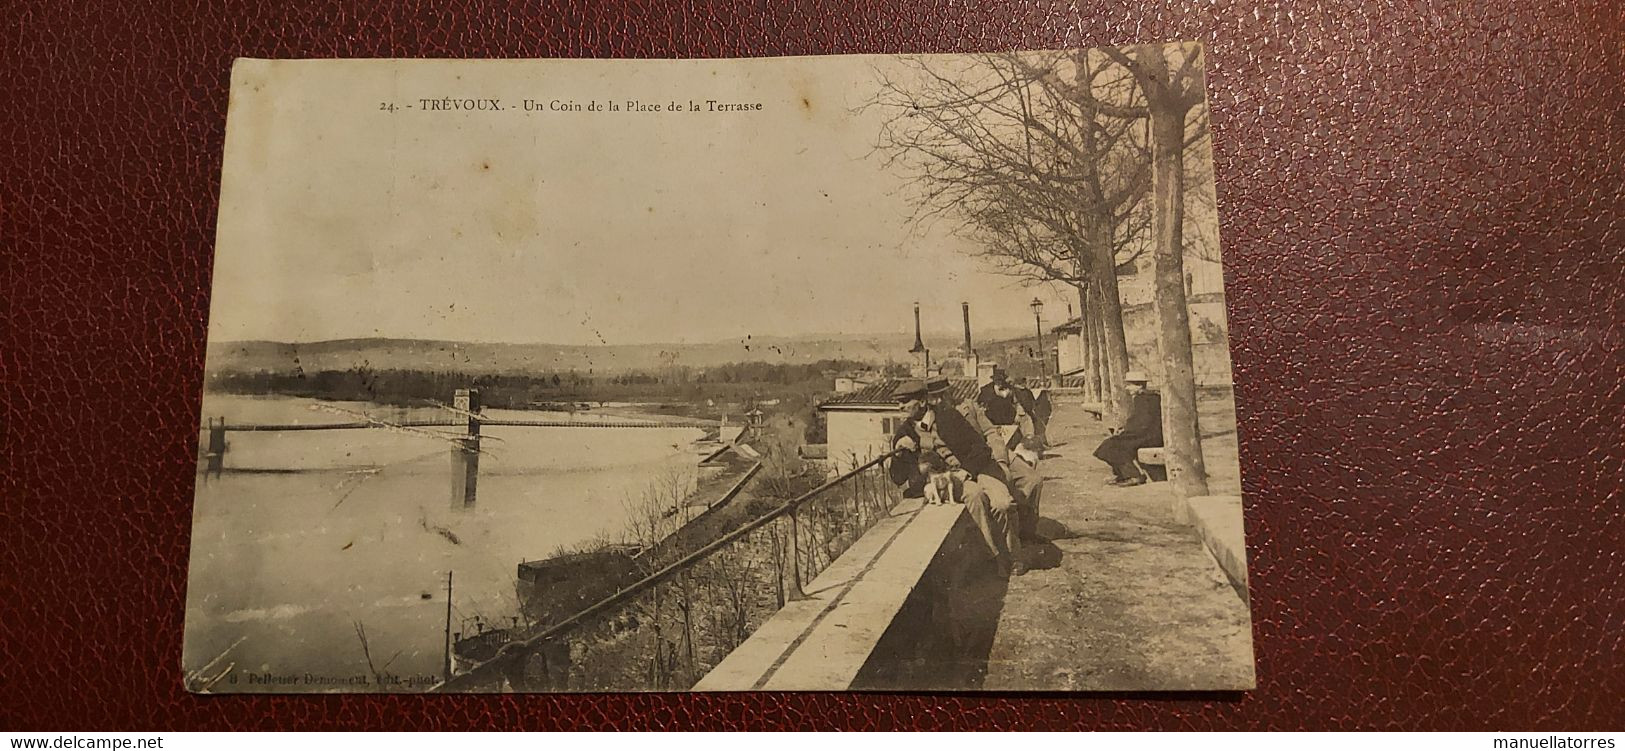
pixel 1121 598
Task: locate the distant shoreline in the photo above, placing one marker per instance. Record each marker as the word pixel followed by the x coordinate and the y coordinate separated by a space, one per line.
pixel 674 391
pixel 647 411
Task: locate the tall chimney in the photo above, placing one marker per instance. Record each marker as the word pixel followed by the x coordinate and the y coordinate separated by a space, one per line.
pixel 919 344
pixel 965 306
pixel 922 356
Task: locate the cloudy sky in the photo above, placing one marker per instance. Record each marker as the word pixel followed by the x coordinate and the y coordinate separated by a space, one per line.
pixel 341 220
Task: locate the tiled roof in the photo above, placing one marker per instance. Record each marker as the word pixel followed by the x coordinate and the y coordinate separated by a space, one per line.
pixel 879 394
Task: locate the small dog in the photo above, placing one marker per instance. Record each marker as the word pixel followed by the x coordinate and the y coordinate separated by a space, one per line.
pixel 945 487
pixel 944 480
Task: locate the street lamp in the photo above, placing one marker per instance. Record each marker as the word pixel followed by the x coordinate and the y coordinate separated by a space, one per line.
pixel 1038 321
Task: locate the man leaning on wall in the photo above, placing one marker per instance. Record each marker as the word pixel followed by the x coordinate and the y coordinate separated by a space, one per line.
pixel 932 422
pixel 1005 414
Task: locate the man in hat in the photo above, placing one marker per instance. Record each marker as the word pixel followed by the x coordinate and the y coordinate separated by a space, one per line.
pixel 1142 429
pixel 1011 405
pixel 1017 440
pixel 998 399
pixel 933 424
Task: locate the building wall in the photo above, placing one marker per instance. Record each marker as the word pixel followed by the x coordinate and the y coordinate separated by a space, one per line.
pixel 1203 276
pixel 984 372
pixel 857 435
pixel 956 365
pixel 1070 352
pixel 1210 343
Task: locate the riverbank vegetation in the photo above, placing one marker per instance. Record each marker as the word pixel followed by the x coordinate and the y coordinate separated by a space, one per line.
pixel 689 391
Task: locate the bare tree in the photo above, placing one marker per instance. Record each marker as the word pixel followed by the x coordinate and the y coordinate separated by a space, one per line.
pixel 733 577
pixel 655 514
pixel 1029 155
pixel 783 469
pixel 1171 94
pixel 1041 160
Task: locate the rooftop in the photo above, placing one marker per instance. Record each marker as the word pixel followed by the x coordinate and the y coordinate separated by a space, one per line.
pixel 878 394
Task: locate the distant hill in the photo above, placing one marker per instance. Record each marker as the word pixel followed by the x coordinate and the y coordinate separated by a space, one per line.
pixel 478 357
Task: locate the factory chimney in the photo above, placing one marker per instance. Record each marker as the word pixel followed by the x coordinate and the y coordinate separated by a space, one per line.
pixel 965 306
pixel 922 356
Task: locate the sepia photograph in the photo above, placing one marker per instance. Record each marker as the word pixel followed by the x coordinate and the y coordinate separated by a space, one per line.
pixel 849 373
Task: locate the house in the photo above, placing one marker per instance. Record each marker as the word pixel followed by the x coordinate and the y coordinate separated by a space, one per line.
pixel 853 380
pixel 860 424
pixel 862 416
pixel 1069 355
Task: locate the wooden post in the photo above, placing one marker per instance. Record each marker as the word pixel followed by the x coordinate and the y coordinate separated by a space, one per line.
pixel 796 592
pixel 216 456
pixel 447 676
pixel 465 458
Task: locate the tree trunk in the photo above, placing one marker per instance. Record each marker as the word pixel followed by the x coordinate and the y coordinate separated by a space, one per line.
pixel 1102 264
pixel 1111 316
pixel 1181 433
pixel 1097 231
pixel 1090 348
pixel 1097 332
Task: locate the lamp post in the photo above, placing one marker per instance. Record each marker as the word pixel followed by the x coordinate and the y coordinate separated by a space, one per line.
pixel 1038 322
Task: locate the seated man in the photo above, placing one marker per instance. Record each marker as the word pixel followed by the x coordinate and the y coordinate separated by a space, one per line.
pixel 1026 484
pixel 933 424
pixel 1142 429
pixel 1006 412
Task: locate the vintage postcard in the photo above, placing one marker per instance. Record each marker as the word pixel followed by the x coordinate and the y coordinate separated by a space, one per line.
pixel 837 373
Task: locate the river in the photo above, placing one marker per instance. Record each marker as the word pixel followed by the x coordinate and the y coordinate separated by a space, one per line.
pixel 344 531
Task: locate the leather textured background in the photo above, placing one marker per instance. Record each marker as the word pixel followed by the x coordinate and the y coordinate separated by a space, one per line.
pixel 1421 207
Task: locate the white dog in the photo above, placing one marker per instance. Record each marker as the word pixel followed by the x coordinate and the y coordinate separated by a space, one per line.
pixel 944 480
pixel 945 486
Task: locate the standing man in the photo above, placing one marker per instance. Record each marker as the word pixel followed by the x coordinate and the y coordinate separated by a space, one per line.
pixel 997 399
pixel 1009 405
pixel 933 424
pixel 1043 407
pixel 1142 429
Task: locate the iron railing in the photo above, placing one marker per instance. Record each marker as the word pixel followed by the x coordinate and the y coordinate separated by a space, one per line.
pixel 667 630
pixel 459 423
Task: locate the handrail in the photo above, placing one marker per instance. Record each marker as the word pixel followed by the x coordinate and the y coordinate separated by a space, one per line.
pixel 517 648
pixel 458 423
pixel 733 490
